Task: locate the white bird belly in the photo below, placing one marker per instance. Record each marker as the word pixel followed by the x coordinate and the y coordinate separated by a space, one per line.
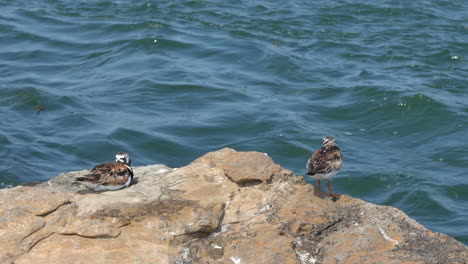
pixel 325 176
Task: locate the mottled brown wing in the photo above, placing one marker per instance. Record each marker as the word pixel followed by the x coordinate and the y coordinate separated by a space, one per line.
pixel 324 160
pixel 109 173
pixel 317 162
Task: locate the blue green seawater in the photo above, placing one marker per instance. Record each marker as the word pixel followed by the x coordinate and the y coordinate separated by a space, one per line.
pixel 168 81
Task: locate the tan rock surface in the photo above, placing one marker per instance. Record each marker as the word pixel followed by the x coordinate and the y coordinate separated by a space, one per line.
pixel 225 207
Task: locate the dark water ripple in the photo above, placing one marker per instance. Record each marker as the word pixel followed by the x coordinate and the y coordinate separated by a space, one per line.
pixel 170 81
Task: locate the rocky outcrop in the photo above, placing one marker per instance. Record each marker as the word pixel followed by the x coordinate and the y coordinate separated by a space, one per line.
pixel 225 207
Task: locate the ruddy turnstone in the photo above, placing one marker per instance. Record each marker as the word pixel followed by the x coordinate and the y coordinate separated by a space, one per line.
pixel 325 162
pixel 109 176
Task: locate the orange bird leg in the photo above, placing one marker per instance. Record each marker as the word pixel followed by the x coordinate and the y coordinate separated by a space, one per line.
pixel 318 183
pixel 331 193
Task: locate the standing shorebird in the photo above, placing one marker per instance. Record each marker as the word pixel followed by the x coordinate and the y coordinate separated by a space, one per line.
pixel 325 162
pixel 109 176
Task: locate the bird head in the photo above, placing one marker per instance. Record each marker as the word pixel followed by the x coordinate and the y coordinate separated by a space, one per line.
pixel 123 157
pixel 328 140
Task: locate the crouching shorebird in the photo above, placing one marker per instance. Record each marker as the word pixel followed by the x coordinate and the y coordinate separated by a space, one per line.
pixel 325 162
pixel 109 176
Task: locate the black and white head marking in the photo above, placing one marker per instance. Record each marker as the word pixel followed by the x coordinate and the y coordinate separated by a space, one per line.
pixel 123 157
pixel 328 140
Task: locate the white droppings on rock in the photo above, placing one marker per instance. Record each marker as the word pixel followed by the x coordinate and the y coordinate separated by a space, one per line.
pixel 162 170
pixel 226 206
pixel 387 237
pixel 265 208
pixel 306 257
pixel 236 260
